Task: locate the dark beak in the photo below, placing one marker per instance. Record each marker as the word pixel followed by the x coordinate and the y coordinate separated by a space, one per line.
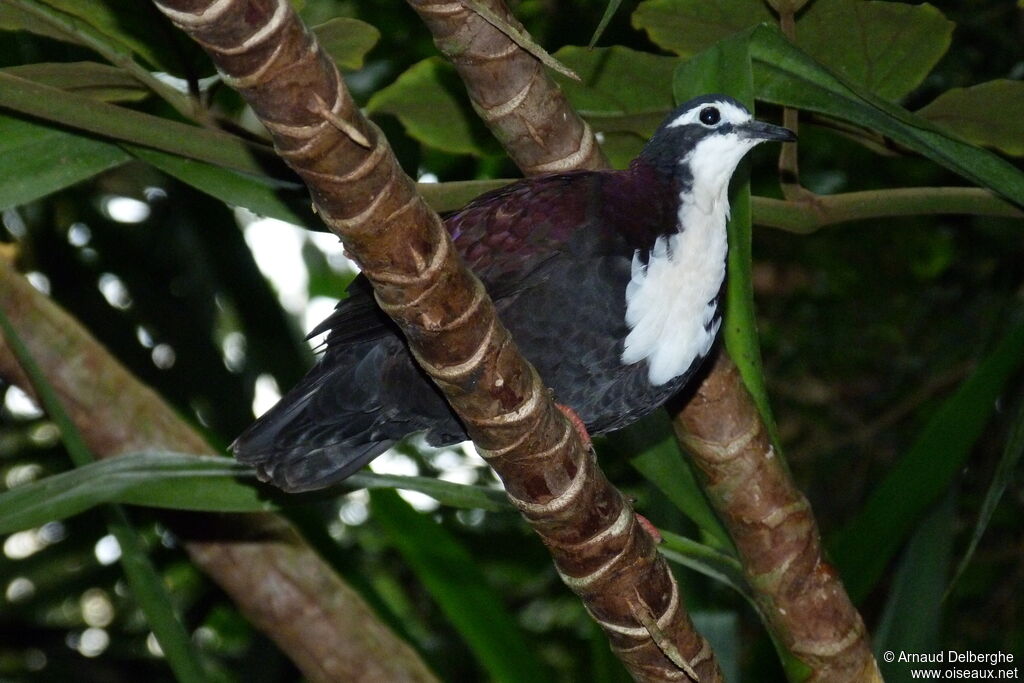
pixel 759 130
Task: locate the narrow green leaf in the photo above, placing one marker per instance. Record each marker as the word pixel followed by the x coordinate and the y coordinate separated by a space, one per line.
pixel 264 195
pixel 987 114
pixel 14 18
pixel 785 75
pixel 92 79
pixel 455 581
pixel 1004 474
pixel 118 123
pixel 125 23
pixel 654 452
pixel 865 546
pixel 347 41
pixel 726 68
pixel 146 584
pixel 425 101
pixel 180 481
pixel 36 160
pixel 913 610
pixel 705 560
pixel 73 26
pixel 609 11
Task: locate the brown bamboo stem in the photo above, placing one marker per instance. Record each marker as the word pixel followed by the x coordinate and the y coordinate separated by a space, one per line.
pixel 821 605
pixel 265 52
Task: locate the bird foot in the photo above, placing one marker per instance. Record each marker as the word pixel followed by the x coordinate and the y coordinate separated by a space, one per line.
pixel 577 423
pixel 651 530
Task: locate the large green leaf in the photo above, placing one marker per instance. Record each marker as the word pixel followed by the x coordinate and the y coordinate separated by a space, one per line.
pixel 987 114
pixel 620 90
pixel 455 581
pixel 36 160
pixel 426 99
pixel 179 481
pixel 687 27
pixel 347 40
pixel 886 47
pixel 865 546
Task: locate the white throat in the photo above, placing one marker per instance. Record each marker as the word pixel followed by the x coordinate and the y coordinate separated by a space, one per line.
pixel 671 301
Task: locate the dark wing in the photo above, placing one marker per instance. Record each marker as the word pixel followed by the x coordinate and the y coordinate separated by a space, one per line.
pixel 504 236
pixel 365 393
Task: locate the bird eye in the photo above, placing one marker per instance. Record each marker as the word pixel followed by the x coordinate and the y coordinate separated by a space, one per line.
pixel 709 116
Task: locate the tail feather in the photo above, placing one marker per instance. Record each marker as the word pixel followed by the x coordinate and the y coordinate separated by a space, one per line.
pixel 358 401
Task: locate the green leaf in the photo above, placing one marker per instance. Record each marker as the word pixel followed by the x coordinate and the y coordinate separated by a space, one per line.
pixel 424 99
pixel 36 160
pixel 620 90
pixel 455 581
pixel 456 194
pixel 706 560
pixel 126 24
pixel 347 40
pixel 1004 474
pixel 92 79
pixel 609 11
pixel 119 123
pixel 886 47
pixel 785 75
pixel 656 455
pixel 178 481
pixel 145 582
pixel 987 114
pixel 865 546
pixel 726 68
pixel 264 195
pixel 13 18
pixel 913 610
pixel 687 27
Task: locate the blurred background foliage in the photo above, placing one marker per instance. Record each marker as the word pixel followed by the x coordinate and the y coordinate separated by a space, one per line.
pixel 869 331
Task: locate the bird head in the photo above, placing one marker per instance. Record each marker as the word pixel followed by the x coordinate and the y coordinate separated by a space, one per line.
pixel 703 141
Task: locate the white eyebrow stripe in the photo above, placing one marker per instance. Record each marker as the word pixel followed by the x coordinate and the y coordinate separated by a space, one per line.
pixel 729 111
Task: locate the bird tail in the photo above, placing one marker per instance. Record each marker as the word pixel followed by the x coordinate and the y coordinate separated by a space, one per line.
pixel 323 430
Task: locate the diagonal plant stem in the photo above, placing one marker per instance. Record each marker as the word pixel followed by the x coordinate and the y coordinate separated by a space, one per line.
pixel 278 582
pixel 509 88
pixel 843 654
pixel 265 52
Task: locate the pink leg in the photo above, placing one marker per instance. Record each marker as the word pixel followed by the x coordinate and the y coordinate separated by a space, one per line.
pixel 651 530
pixel 577 423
